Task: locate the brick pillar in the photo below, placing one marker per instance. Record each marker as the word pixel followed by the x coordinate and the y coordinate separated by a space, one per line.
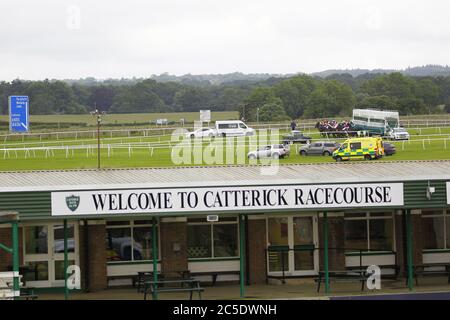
pixel 257 251
pixel 5 257
pixel 96 257
pixel 6 239
pixel 336 239
pixel 400 239
pixel 173 245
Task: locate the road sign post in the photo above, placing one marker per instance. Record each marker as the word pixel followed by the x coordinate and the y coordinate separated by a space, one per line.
pixel 205 116
pixel 19 113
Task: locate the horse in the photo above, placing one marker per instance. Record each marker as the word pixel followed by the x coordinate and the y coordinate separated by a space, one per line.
pixel 335 129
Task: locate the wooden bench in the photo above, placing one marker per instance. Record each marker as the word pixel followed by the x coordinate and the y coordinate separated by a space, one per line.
pixel 27 293
pixel 343 276
pixel 7 291
pixel 144 276
pixel 393 267
pixel 424 270
pixel 183 285
pixel 214 274
pixel 132 277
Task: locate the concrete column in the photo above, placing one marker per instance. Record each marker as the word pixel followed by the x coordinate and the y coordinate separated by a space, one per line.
pixel 257 251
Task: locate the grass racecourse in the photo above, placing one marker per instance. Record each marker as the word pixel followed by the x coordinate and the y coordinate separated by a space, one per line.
pixel 164 150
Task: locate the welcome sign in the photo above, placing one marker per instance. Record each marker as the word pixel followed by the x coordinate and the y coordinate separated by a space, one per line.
pixel 153 201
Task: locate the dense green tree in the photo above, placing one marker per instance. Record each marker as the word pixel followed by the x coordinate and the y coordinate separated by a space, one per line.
pixel 137 98
pixel 393 85
pixel 330 98
pixel 229 98
pixel 447 106
pixel 294 94
pixel 377 102
pixel 344 78
pixel 81 93
pixel 101 97
pixel 428 91
pixel 272 112
pixel 256 99
pixel 410 106
pixel 300 96
pixel 191 99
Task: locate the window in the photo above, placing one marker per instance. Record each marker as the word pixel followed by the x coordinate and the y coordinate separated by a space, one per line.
pixel 377 120
pixel 369 231
pixel 36 239
pixel 436 229
pixel 365 119
pixel 228 126
pixel 242 126
pixel 129 240
pixel 355 145
pixel 316 145
pixel 212 239
pixel 58 234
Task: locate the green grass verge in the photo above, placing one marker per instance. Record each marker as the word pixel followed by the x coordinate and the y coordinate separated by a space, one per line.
pixel 145 156
pixel 126 118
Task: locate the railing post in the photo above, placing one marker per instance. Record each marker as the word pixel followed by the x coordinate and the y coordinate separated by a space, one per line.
pixel 242 255
pixel 15 250
pixel 155 261
pixel 66 262
pixel 325 254
pixel 409 246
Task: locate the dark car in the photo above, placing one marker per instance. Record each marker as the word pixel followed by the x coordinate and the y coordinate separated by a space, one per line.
pixel 319 148
pixel 389 148
pixel 296 137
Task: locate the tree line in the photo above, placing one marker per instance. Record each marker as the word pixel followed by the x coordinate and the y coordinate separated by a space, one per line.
pixel 272 99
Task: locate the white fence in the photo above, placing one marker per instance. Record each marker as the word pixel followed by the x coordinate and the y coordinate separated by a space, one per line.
pixel 130 132
pixel 130 148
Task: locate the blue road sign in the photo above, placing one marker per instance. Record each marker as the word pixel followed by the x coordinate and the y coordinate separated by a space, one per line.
pixel 18 114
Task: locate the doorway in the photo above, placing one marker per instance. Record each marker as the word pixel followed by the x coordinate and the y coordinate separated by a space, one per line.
pixel 44 252
pixel 292 243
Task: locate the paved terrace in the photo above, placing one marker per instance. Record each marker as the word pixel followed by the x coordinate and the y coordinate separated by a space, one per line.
pixel 295 289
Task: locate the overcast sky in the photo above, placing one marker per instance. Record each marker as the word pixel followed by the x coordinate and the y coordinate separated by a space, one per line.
pixel 108 38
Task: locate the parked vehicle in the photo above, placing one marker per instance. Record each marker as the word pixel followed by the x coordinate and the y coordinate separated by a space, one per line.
pixel 121 249
pixel 233 128
pixel 389 149
pixel 271 151
pixel 296 137
pixel 360 148
pixel 375 122
pixel 319 148
pixel 398 134
pixel 201 133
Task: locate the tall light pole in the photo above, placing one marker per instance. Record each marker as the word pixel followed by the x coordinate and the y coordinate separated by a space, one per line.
pixel 99 115
pixel 257 115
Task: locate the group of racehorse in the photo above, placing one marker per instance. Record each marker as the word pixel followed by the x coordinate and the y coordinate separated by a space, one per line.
pixel 332 128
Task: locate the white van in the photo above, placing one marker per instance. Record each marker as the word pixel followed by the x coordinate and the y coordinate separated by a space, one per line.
pixel 233 128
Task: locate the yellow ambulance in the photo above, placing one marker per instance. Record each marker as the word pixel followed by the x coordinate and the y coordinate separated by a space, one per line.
pixel 360 149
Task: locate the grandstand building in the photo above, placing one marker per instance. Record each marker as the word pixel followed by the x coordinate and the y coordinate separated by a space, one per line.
pixel 227 223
